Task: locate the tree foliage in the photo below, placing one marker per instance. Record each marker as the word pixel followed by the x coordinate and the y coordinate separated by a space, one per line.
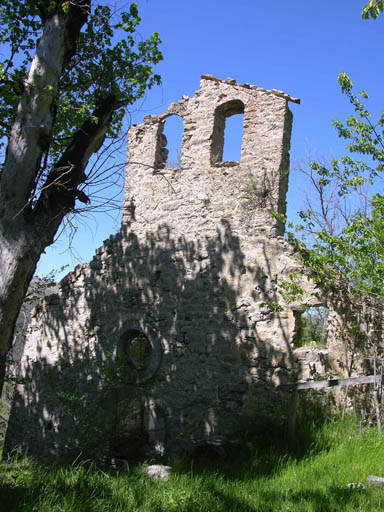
pixel 356 253
pixel 372 9
pixel 107 61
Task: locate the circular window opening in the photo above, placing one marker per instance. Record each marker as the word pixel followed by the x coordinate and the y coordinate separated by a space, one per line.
pixel 139 357
pixel 138 350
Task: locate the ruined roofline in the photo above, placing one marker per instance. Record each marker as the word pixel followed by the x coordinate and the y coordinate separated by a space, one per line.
pixel 178 107
pixel 232 81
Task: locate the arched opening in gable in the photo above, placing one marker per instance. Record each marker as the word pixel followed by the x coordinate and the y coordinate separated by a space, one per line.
pixel 170 143
pixel 227 133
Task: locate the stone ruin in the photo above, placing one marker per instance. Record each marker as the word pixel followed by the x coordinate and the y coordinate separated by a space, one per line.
pixel 166 340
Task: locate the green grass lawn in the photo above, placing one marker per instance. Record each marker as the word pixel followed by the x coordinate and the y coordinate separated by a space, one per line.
pixel 310 477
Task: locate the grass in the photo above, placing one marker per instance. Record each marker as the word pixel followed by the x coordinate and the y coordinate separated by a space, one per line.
pixel 309 478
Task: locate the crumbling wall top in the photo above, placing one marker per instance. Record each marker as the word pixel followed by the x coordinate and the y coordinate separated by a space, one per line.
pixel 232 81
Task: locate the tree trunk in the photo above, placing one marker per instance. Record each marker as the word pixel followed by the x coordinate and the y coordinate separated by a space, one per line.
pixel 18 262
pixel 23 240
pixel 23 235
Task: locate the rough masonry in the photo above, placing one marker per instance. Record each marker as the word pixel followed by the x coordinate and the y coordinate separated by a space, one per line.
pixel 166 340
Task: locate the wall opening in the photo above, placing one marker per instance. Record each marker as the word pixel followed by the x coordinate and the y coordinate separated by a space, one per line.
pixel 137 427
pixel 138 350
pixel 233 137
pixel 135 351
pixel 311 327
pixel 138 355
pixel 169 152
pixel 127 435
pixel 227 132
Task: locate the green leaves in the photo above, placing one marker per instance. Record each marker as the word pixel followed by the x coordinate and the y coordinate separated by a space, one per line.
pixel 372 9
pixel 103 66
pixel 291 289
pixel 345 82
pixel 351 257
pixel 66 6
pixel 364 138
pixel 355 256
pixel 19 29
pixel 108 60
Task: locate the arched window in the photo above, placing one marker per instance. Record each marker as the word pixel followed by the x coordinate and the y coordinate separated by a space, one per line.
pixel 170 143
pixel 227 132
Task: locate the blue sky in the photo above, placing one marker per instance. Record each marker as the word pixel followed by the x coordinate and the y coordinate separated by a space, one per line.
pixel 296 46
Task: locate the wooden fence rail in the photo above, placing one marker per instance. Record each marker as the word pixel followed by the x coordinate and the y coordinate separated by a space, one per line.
pixel 322 384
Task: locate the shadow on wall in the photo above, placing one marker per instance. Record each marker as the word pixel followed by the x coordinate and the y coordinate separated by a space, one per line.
pixel 155 345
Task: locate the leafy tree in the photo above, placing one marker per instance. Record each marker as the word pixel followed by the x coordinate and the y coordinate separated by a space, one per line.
pixel 342 228
pixel 356 251
pixel 353 253
pixel 69 72
pixel 349 235
pixel 346 258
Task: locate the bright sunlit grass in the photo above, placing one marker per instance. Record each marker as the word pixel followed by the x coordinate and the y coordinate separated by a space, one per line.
pixel 255 480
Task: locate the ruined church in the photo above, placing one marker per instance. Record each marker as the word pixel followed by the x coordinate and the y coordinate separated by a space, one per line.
pixel 166 340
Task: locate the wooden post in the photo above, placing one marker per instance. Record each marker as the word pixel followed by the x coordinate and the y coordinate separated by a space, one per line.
pixel 345 401
pixel 376 394
pixel 292 415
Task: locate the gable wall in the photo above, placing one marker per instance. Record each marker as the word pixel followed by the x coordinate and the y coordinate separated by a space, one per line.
pixel 196 260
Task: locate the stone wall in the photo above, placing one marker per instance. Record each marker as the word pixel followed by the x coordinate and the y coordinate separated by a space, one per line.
pixel 165 340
